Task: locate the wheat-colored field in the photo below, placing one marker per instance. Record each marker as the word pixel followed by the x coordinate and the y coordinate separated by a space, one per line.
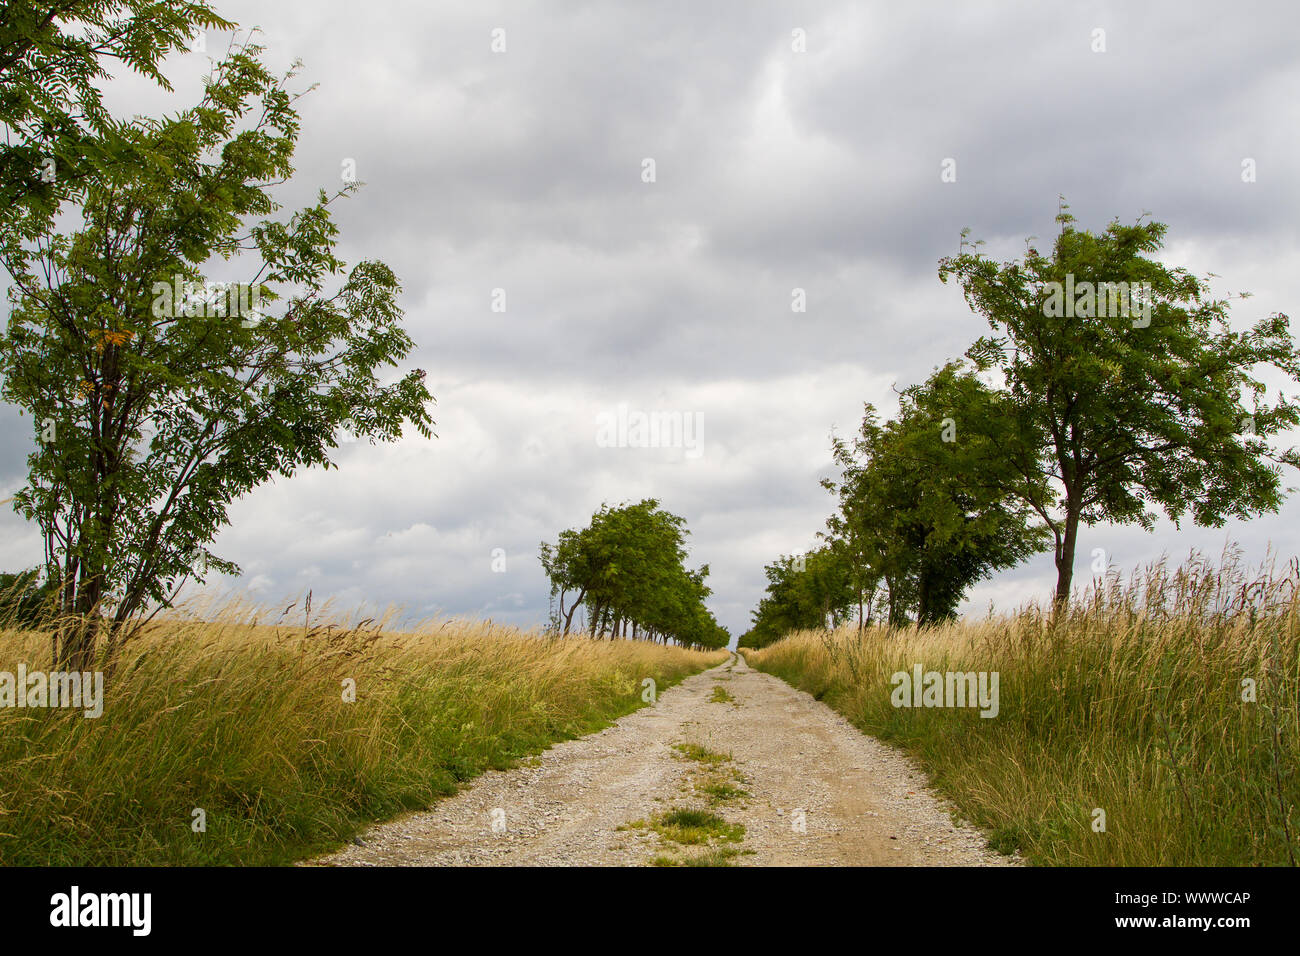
pixel 244 722
pixel 1136 703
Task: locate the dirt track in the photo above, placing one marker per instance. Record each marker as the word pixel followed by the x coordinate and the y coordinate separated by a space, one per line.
pixel 861 802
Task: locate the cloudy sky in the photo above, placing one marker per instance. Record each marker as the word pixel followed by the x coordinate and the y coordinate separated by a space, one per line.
pixel 795 145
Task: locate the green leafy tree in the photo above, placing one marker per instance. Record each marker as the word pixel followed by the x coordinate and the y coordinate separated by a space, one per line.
pixel 804 592
pixel 53 56
pixel 25 599
pixel 855 543
pixel 861 530
pixel 923 499
pixel 626 568
pixel 1128 392
pixel 573 565
pixel 157 398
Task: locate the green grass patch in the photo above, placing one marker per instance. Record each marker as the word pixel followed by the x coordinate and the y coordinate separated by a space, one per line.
pixel 691 827
pixel 720 791
pixel 702 754
pixel 714 856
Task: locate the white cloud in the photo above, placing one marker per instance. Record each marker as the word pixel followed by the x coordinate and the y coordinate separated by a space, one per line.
pixel 776 170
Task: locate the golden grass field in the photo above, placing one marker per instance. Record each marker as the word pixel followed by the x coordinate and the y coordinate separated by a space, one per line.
pixel 1131 703
pixel 244 717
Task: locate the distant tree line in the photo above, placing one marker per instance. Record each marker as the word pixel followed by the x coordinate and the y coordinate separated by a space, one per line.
pixel 626 570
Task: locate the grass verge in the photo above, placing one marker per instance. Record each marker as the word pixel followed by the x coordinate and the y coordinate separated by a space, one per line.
pixel 1171 703
pixel 247 727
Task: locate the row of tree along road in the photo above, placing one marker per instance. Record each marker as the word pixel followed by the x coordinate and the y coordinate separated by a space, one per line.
pixel 1111 389
pixel 626 570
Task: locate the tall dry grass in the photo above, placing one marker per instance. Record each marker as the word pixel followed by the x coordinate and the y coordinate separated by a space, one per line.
pixel 1132 703
pixel 244 718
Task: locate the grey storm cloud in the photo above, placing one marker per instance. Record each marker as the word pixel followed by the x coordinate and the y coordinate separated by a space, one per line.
pixel 775 170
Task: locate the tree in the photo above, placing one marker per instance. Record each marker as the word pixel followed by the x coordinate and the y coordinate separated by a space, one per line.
pixel 854 543
pixel 571 564
pixel 923 499
pixel 803 593
pixel 52 54
pixel 158 397
pixel 25 599
pixel 861 528
pixel 1128 391
pixel 627 569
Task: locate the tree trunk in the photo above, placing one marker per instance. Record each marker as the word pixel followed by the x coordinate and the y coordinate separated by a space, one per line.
pixel 75 644
pixel 577 602
pixel 923 588
pixel 79 631
pixel 1065 549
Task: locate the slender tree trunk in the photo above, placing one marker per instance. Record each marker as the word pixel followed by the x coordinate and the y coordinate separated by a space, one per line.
pixel 1065 552
pixel 568 618
pixel 923 588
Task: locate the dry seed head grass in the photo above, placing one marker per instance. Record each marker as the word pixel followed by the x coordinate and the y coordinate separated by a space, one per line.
pixel 241 711
pixel 1130 701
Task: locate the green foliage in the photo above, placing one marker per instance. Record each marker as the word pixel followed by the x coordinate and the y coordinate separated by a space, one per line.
pixel 1118 416
pixel 808 591
pixel 923 506
pixel 922 516
pixel 53 54
pixel 1123 393
pixel 26 600
pixel 627 570
pixel 154 411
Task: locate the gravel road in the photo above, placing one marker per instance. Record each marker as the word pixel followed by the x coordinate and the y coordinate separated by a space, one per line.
pixel 808 788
